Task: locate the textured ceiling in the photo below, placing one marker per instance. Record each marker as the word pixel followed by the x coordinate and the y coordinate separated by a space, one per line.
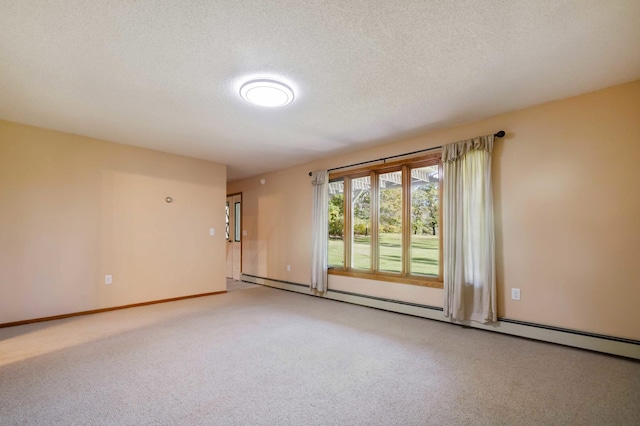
pixel 165 74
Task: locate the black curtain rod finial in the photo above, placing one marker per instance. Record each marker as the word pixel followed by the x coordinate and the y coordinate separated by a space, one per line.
pixel 500 134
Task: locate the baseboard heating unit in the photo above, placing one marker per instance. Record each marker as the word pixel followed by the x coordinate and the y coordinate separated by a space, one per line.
pixel 578 339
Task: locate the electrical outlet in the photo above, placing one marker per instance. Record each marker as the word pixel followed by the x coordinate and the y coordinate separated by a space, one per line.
pixel 515 293
pixel 108 279
pixel 212 232
pixel 288 268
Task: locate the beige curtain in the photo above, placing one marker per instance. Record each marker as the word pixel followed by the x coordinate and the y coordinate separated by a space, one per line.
pixel 320 230
pixel 468 232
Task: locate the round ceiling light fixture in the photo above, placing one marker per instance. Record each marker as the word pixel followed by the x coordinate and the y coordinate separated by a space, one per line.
pixel 266 93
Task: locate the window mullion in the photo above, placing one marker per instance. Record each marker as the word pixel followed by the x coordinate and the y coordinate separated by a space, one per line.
pixel 406 220
pixel 375 206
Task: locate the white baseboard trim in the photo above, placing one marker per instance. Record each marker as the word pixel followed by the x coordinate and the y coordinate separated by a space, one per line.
pixel 594 342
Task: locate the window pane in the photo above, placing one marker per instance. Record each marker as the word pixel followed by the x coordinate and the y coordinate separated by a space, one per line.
pixel 226 228
pixel 425 247
pixel 390 222
pixel 361 223
pixel 237 222
pixel 336 224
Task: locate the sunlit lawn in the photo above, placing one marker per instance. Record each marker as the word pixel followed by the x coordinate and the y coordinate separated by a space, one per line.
pixel 424 253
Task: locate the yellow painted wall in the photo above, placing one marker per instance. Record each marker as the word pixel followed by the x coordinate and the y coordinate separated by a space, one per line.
pixel 73 209
pixel 567 205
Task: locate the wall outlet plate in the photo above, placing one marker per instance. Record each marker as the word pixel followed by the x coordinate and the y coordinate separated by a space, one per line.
pixel 515 293
pixel 108 279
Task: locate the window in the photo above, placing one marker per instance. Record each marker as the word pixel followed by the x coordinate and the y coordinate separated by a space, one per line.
pixel 336 224
pixel 425 220
pixel 384 222
pixel 236 231
pixel 390 222
pixel 226 228
pixel 361 223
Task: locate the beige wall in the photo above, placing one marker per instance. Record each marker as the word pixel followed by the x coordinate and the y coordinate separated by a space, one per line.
pixel 74 209
pixel 567 204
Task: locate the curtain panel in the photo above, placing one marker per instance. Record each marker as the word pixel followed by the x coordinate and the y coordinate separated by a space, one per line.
pixel 468 232
pixel 320 230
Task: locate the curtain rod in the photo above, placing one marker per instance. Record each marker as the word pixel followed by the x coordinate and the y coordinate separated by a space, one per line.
pixel 500 134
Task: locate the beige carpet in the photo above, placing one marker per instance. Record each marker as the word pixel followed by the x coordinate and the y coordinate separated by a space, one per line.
pixel 261 356
pixel 238 285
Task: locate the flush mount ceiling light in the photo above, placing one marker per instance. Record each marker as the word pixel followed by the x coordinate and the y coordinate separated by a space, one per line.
pixel 266 93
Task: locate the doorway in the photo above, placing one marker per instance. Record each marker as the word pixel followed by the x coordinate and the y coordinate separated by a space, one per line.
pixel 233 233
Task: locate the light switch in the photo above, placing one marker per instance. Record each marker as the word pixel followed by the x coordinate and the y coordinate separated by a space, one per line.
pixel 212 232
pixel 244 233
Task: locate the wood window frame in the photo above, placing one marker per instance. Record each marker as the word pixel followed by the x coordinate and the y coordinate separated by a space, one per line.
pixel 405 276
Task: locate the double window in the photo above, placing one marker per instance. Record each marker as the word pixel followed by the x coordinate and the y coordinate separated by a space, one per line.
pixel 384 222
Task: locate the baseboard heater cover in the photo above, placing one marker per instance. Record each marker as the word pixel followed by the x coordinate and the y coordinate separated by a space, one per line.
pixel 595 342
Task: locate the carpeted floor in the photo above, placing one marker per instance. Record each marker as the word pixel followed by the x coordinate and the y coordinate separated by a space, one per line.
pixel 261 356
pixel 238 285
